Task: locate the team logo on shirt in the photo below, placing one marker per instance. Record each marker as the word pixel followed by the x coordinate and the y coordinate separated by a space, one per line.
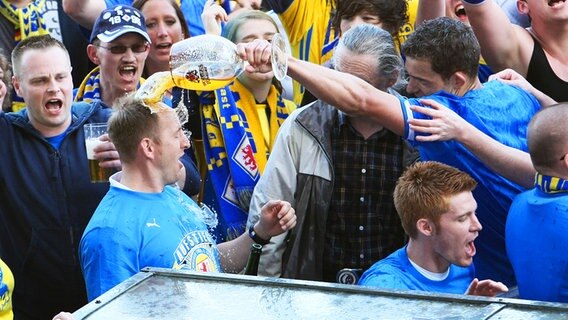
pixel 196 252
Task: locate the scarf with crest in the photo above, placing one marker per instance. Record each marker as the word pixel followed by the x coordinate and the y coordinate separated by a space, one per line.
pixel 235 149
pixel 549 184
pixel 28 21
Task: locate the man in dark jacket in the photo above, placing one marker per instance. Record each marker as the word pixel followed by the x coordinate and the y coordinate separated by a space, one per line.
pixel 46 197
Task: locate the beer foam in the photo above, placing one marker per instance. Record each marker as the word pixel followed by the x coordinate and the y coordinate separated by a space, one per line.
pixel 90 144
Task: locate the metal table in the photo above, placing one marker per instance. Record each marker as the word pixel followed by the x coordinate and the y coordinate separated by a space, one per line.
pixel 168 294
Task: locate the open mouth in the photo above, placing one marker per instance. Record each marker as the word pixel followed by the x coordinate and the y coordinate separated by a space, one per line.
pixel 470 249
pixel 128 71
pixel 459 10
pixel 163 46
pixel 553 3
pixel 54 105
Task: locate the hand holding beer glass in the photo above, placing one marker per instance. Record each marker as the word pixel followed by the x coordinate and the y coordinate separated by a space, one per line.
pixel 93 132
pixel 204 63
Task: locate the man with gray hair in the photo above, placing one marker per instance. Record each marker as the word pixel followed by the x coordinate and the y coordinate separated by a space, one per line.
pixel 339 172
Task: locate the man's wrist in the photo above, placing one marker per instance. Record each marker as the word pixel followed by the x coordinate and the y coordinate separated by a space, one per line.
pixel 257 238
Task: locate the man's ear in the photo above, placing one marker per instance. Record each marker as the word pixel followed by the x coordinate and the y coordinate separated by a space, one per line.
pixel 392 81
pixel 425 226
pixel 92 54
pixel 522 7
pixel 147 147
pixel 16 84
pixel 458 81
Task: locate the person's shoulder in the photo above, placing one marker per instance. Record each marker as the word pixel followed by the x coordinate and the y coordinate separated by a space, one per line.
pixel 113 213
pixel 387 272
pixel 91 111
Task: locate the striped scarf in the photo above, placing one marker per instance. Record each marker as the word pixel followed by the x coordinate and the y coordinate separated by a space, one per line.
pixel 235 149
pixel 549 184
pixel 90 88
pixel 28 21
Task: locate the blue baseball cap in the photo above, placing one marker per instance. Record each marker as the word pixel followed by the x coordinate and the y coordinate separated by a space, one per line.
pixel 116 21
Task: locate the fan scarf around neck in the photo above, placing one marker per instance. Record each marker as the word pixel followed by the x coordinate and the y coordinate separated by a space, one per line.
pixel 549 184
pixel 28 21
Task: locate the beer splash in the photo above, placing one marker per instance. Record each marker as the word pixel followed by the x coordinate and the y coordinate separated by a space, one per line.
pixel 152 90
pixel 204 63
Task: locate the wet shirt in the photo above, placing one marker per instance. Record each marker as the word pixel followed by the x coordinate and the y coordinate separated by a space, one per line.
pixel 132 230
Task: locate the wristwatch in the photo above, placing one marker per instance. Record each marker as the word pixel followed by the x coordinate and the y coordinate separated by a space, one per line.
pixel 256 238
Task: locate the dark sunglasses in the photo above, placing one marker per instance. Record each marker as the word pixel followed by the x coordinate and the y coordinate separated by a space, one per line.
pixel 136 48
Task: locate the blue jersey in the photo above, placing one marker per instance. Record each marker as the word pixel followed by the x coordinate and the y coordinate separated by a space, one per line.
pixel 396 272
pixel 131 230
pixel 537 237
pixel 503 113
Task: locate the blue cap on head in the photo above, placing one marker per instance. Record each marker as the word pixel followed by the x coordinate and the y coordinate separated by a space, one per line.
pixel 116 21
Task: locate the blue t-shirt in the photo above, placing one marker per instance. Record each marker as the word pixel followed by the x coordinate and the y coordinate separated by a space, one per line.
pixel 396 272
pixel 131 230
pixel 191 10
pixel 503 113
pixel 537 245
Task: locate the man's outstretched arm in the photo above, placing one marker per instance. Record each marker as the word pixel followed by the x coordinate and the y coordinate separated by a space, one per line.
pixel 346 92
pixel 84 12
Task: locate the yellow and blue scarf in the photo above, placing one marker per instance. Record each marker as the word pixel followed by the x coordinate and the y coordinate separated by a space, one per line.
pixel 549 184
pixel 235 149
pixel 90 88
pixel 28 21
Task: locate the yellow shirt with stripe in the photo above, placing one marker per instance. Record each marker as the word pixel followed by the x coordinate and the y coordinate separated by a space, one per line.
pixel 308 25
pixel 311 36
pixel 6 289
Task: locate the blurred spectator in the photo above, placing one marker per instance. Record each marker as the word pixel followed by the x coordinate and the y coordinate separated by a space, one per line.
pixel 86 12
pixel 5 82
pixel 537 53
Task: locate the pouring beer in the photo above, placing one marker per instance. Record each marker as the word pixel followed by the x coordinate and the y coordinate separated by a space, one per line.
pixel 205 63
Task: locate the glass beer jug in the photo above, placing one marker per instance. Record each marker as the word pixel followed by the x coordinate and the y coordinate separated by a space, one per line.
pixel 205 63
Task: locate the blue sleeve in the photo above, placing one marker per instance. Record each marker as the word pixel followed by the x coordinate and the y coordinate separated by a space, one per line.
pixel 112 3
pixel 192 10
pixel 408 114
pixel 108 257
pixel 383 278
pixel 192 184
pixel 279 6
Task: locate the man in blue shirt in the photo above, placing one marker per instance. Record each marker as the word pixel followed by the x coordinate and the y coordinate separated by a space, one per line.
pixel 443 57
pixel 143 221
pixel 437 211
pixel 537 225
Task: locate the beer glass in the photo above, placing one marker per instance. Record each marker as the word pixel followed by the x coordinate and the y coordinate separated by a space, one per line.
pixel 204 63
pixel 92 133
